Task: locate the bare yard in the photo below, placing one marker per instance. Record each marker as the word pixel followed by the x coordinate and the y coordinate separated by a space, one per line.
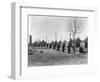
pixel 46 56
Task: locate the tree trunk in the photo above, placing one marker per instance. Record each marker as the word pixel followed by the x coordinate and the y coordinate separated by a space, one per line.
pixel 74 44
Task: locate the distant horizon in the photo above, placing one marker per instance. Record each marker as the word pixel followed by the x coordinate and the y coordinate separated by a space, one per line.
pixel 57 40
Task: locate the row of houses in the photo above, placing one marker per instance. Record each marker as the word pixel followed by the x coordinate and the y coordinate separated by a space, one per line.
pixel 80 46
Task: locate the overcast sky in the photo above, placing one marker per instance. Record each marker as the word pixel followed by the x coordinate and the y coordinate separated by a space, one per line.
pixel 42 26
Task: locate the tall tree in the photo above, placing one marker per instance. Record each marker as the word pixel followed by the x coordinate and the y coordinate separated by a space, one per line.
pixel 74 26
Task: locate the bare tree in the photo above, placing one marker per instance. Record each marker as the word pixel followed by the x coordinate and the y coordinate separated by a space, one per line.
pixel 74 27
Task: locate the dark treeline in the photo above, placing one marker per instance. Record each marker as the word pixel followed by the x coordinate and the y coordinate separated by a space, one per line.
pixel 63 46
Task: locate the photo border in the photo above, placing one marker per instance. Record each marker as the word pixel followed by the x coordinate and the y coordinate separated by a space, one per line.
pixel 18 11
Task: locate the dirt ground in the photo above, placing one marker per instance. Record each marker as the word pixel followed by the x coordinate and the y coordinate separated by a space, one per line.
pixel 46 57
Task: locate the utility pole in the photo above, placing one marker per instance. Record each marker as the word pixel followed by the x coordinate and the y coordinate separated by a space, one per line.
pixel 46 38
pixel 61 37
pixel 38 36
pixel 30 39
pixel 55 36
